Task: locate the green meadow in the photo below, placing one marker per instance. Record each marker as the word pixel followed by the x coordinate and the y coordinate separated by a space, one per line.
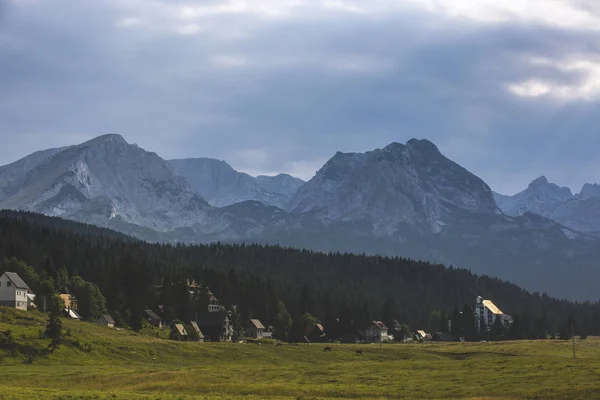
pixel 102 363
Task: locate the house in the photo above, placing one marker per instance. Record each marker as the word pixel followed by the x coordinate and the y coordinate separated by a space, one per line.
pixel 178 332
pixel 420 335
pixel 69 300
pixel 216 326
pixel 198 331
pixel 106 320
pixel 213 303
pixel 255 329
pixel 72 314
pixel 13 291
pixel 486 313
pixel 377 332
pixel 153 319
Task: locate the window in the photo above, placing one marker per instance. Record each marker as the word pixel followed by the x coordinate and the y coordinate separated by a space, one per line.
pixel 9 283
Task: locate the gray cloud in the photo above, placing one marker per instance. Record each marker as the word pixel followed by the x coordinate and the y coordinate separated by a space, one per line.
pixel 281 86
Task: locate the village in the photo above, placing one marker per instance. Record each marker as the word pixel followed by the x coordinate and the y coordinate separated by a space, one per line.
pixel 218 324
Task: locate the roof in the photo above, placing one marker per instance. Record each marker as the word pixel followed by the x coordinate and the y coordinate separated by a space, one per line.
pixel 73 314
pixel 380 325
pixel 180 329
pixel 257 324
pixel 492 307
pixel 197 329
pixel 16 279
pixel 152 314
pixel 421 333
pixel 107 318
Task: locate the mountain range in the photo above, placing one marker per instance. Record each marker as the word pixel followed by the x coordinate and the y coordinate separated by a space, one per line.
pixel 403 200
pixel 580 212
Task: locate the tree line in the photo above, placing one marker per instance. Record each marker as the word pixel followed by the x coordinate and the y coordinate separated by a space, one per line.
pixel 286 287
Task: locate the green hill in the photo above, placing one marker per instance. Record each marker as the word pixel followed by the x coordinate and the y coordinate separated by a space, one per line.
pixel 102 363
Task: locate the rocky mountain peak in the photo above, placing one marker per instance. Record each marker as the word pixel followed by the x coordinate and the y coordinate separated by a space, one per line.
pixel 542 180
pixel 589 190
pixel 412 183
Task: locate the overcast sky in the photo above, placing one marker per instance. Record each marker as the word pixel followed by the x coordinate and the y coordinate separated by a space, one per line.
pixel 509 89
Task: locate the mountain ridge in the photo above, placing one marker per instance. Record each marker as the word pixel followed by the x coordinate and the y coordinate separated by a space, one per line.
pixel 404 199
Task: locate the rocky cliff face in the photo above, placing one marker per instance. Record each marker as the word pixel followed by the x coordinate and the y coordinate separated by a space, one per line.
pixel 221 185
pixel 580 212
pixel 412 183
pixel 104 179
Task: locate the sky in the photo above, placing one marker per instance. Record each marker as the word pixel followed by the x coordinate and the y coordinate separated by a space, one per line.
pixel 510 90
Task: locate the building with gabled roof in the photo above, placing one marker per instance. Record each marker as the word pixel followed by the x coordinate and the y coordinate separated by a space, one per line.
pixel 153 319
pixel 178 332
pixel 376 332
pixel 196 328
pixel 13 291
pixel 255 329
pixel 106 320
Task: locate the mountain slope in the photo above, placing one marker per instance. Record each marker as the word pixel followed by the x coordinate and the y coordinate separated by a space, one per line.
pixel 221 185
pixel 102 180
pixel 412 183
pixel 579 212
pixel 19 168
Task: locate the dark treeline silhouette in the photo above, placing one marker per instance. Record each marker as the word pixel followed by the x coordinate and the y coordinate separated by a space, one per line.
pixel 344 291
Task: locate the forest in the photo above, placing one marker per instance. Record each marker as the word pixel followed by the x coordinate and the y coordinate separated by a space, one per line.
pixel 280 286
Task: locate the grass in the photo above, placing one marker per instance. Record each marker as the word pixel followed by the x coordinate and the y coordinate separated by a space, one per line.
pixel 102 363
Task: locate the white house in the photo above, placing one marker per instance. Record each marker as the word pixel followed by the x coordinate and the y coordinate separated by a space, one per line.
pixel 487 311
pixel 377 332
pixel 13 291
pixel 255 329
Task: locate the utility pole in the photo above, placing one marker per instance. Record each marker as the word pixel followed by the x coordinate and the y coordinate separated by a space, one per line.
pixel 180 353
pixel 45 320
pixel 573 336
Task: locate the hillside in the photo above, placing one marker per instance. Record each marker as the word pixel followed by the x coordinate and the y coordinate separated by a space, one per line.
pixel 102 363
pixel 355 289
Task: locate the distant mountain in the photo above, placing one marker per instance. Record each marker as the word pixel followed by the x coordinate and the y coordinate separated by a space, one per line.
pixel 405 199
pixel 221 185
pixel 102 180
pixel 400 184
pixel 580 212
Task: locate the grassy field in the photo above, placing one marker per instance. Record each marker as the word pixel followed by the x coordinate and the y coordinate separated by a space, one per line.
pixel 102 363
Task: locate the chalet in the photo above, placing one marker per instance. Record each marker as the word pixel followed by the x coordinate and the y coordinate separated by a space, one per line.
pixel 377 332
pixel 69 300
pixel 198 331
pixel 486 313
pixel 178 332
pixel 420 335
pixel 13 291
pixel 153 319
pixel 106 320
pixel 255 329
pixel 216 326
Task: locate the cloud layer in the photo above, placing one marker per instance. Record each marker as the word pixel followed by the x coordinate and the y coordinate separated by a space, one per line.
pixel 510 91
